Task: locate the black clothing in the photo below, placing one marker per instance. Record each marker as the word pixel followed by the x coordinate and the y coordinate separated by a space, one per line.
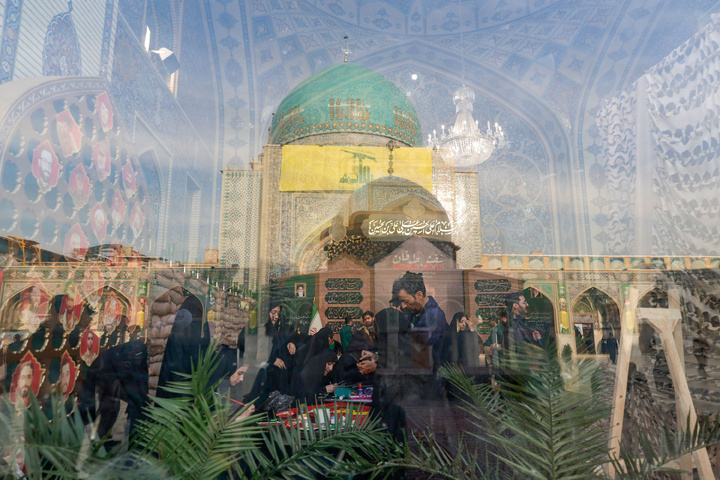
pixel 227 359
pixel 468 351
pixel 119 373
pixel 181 351
pixel 521 333
pixel 612 348
pixel 392 415
pixel 270 377
pixel 700 348
pixel 312 379
pixel 346 369
pixel 318 343
pixel 431 328
pixel 394 340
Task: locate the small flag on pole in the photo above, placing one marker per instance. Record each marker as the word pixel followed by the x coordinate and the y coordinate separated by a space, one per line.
pixel 316 323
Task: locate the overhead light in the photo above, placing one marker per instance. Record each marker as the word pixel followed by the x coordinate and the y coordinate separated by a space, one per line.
pixel 146 43
pixel 168 59
pixel 469 145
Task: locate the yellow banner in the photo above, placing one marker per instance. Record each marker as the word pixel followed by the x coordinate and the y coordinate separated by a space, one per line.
pixel 310 167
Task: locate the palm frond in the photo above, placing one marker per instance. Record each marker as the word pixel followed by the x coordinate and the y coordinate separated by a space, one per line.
pixel 536 426
pixel 433 458
pixel 340 451
pixel 196 435
pixel 671 446
pixel 56 445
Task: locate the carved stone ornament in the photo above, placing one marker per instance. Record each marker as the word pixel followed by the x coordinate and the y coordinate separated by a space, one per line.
pixel 337 230
pixel 413 209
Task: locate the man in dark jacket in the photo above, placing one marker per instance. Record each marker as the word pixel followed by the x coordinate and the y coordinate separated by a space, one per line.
pixel 394 340
pixel 430 325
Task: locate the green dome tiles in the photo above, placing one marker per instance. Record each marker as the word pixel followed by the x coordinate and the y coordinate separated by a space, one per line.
pixel 346 98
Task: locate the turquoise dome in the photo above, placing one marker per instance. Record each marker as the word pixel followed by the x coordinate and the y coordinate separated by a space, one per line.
pixel 346 98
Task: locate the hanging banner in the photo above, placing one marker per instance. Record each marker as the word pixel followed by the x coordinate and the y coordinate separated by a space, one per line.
pixel 316 168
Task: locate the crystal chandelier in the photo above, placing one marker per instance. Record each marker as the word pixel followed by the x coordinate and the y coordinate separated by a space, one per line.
pixel 468 144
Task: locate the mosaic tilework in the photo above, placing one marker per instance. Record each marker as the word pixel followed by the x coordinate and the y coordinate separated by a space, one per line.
pixel 61 52
pixel 240 218
pixel 614 175
pixel 467 223
pixel 271 264
pixel 107 39
pixel 645 25
pixel 570 56
pixel 311 212
pixel 430 18
pixel 184 162
pixel 11 27
pixel 685 177
pixel 134 13
pixel 515 199
pixel 91 190
pixel 443 181
pixel 525 155
pixel 318 36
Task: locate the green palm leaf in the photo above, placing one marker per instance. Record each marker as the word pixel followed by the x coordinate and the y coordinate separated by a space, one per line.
pixel 196 435
pixel 536 427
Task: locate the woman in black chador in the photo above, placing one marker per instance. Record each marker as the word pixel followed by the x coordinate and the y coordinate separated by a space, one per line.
pixel 119 373
pixel 278 333
pixel 317 377
pixel 347 371
pixel 181 350
pixel 274 374
pixel 467 341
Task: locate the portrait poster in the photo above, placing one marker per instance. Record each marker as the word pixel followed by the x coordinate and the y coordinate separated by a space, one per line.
pixel 104 111
pixel 128 180
pixel 34 306
pixel 68 375
pixel 89 346
pixel 68 133
pixel 26 381
pixel 137 220
pixel 101 159
pixel 98 222
pixel 117 209
pixel 71 307
pixel 45 167
pixel 76 243
pixel 111 313
pixel 79 187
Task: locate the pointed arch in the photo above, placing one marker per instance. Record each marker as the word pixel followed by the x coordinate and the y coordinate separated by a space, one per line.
pixel 541 309
pixel 594 314
pixel 27 308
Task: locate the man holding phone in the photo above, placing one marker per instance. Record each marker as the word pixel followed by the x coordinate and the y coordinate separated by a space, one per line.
pixel 357 363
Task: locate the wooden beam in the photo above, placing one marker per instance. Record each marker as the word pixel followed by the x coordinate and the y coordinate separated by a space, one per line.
pixel 664 320
pixel 628 339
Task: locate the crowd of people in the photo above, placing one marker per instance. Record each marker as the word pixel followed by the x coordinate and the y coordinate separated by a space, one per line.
pixel 411 336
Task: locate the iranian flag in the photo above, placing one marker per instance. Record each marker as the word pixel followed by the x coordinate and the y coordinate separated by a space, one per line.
pixel 315 323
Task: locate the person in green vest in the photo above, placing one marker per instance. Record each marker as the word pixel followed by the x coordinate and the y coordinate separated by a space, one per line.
pixel 346 333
